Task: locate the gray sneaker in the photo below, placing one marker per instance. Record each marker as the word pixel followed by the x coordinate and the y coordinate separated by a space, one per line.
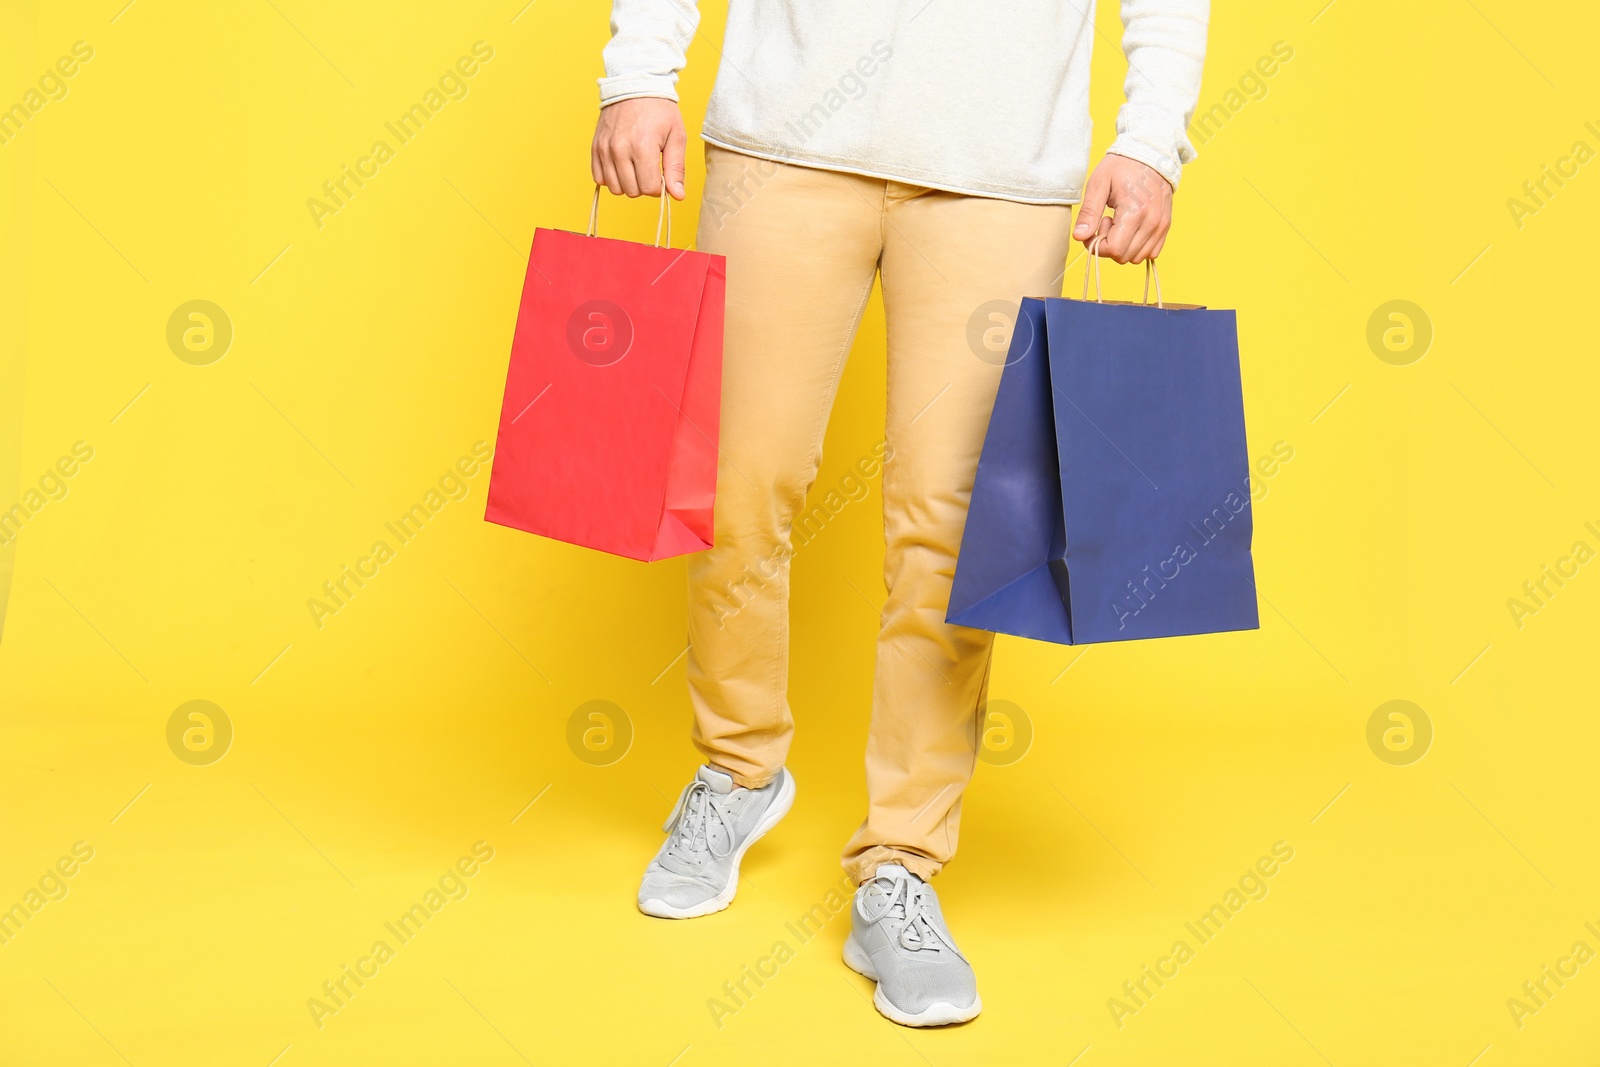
pixel 714 822
pixel 899 940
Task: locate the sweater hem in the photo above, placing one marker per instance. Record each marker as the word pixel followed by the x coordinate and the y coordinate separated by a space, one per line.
pixel 869 169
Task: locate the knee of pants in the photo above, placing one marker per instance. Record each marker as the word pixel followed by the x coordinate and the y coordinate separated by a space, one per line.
pixel 922 548
pixel 750 552
pixel 756 504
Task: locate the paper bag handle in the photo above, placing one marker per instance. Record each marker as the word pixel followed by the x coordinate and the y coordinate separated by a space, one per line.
pixel 1094 258
pixel 663 219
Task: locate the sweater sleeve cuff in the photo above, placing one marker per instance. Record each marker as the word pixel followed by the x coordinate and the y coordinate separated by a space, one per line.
pixel 1163 164
pixel 629 86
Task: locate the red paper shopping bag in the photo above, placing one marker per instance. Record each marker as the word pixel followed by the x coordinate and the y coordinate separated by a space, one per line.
pixel 608 431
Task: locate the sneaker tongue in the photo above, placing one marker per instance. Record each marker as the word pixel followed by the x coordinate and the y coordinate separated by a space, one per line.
pixel 895 875
pixel 910 935
pixel 719 781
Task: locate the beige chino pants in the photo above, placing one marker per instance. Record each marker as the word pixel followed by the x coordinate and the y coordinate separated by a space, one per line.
pixel 802 248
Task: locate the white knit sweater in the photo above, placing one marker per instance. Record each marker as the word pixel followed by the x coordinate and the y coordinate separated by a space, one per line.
pixel 977 97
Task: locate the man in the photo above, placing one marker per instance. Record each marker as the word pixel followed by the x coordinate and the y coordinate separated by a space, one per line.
pixel 938 145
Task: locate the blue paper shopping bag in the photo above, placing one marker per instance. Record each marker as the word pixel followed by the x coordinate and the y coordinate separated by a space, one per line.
pixel 1112 499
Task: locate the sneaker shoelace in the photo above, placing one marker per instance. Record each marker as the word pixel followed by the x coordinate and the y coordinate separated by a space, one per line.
pixel 905 902
pixel 689 825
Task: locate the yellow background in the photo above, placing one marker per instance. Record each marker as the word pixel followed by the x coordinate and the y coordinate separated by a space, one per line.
pixel 370 754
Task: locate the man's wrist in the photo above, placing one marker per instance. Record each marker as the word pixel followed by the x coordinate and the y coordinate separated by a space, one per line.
pixel 1140 152
pixel 635 86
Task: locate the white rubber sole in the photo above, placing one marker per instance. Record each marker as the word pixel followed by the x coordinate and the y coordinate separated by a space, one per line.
pixel 939 1013
pixel 780 807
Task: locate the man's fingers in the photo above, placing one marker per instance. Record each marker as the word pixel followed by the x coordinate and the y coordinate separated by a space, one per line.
pixel 608 174
pixel 1144 242
pixel 1090 225
pixel 1102 233
pixel 626 175
pixel 647 168
pixel 1092 207
pixel 1161 223
pixel 639 148
pixel 1120 241
pixel 1140 203
pixel 672 160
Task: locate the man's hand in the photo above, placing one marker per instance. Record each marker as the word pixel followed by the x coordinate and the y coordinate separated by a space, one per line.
pixel 1142 200
pixel 634 142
